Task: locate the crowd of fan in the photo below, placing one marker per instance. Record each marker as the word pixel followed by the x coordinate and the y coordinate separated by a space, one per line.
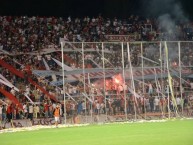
pixel 27 34
pixel 20 34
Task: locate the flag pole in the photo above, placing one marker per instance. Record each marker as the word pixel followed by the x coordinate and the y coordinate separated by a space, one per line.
pixel 123 72
pixel 104 81
pixel 142 67
pixel 132 80
pixel 161 66
pixel 180 71
pixel 63 80
pixel 90 96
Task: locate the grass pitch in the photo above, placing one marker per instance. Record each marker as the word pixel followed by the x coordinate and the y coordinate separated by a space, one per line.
pixel 178 132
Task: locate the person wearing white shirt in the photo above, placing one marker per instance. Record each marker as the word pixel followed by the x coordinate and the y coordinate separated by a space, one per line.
pixel 25 110
pixel 31 110
pixel 156 103
pixel 150 91
pixel 178 102
pixel 36 111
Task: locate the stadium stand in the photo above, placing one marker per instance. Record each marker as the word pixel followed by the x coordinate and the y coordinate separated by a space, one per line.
pixel 20 36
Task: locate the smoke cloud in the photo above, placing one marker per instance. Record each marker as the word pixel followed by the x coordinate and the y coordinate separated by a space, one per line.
pixel 169 14
pixel 161 7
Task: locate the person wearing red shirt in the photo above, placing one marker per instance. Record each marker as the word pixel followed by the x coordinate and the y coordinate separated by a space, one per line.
pixel 17 111
pixel 46 109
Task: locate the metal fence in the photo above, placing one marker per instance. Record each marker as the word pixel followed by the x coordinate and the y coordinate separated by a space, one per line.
pixel 121 81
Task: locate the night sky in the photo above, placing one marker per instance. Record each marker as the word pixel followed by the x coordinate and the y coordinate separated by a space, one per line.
pixel 81 8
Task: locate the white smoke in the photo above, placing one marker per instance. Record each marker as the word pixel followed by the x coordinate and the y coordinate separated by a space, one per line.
pixel 169 14
pixel 166 24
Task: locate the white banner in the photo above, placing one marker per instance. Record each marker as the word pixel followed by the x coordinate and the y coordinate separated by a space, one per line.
pixel 7 83
pixel 48 68
pixel 60 64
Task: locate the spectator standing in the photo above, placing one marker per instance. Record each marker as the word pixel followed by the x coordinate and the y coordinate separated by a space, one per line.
pixel 25 109
pixel 156 102
pixel 31 110
pixel 151 102
pixel 3 112
pixel 178 103
pixel 36 111
pixel 9 112
pixel 17 111
pixel 46 109
pixel 57 115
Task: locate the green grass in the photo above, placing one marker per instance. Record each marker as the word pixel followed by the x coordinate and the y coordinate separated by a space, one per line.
pixel 179 132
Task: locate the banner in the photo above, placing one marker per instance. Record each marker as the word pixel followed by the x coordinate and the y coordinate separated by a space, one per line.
pixel 45 121
pixel 121 38
pixel 28 123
